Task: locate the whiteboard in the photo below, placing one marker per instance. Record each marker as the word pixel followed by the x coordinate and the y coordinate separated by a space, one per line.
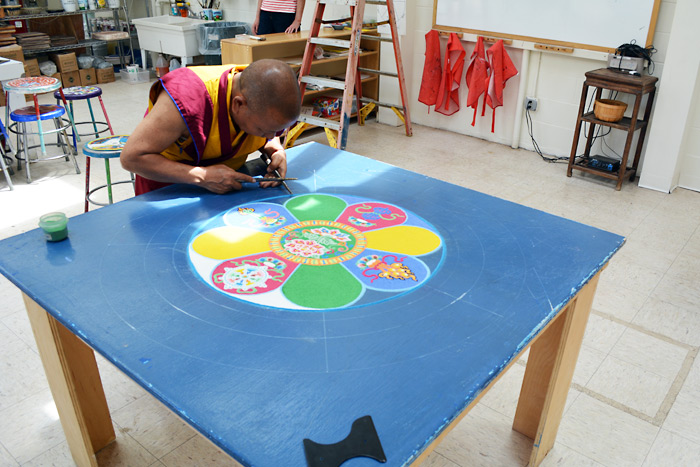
pixel 589 24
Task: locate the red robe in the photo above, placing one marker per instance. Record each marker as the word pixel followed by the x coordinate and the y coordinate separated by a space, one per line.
pixel 477 76
pixel 502 69
pixel 448 95
pixel 432 69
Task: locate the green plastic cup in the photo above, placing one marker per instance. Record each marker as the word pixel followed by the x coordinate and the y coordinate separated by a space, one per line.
pixel 54 225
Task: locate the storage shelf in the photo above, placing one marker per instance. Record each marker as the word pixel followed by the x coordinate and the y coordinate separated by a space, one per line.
pixel 80 45
pixel 53 15
pixel 319 92
pixel 624 124
pixel 582 165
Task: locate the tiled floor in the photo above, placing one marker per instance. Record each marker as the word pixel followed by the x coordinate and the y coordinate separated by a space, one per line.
pixel 636 394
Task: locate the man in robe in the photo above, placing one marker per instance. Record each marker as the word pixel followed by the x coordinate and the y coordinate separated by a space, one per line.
pixel 202 123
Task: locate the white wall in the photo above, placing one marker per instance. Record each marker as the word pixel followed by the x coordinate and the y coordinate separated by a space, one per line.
pixel 690 150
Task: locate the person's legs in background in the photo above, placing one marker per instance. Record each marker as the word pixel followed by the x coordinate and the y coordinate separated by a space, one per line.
pixel 271 22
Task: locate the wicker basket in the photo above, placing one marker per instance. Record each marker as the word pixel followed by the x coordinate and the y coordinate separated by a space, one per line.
pixel 609 110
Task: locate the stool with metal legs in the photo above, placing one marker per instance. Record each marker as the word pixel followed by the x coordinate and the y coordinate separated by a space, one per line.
pixel 35 85
pixel 6 168
pixel 86 93
pixel 107 147
pixel 25 115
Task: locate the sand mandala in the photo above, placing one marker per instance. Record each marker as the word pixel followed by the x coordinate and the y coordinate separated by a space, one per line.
pixel 315 252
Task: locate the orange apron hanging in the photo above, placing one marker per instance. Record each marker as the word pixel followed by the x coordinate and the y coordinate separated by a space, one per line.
pixel 502 69
pixel 432 70
pixel 477 76
pixel 448 95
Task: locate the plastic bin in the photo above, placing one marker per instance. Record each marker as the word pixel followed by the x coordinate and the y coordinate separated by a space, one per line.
pixel 141 76
pixel 210 35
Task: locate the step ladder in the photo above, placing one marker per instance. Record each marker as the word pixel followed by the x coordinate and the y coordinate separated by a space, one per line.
pixel 337 129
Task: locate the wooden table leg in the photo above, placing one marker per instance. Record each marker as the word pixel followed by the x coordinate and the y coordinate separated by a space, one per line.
pixel 550 369
pixel 75 383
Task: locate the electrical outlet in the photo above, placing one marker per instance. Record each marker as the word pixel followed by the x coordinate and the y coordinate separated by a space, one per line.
pixel 531 103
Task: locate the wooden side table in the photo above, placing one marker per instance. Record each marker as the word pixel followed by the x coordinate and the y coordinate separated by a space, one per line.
pixel 622 82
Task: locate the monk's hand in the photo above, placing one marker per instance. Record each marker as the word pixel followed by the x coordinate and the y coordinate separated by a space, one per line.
pixel 278 162
pixel 220 178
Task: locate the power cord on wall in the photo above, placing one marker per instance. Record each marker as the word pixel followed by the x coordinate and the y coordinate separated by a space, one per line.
pixel 552 159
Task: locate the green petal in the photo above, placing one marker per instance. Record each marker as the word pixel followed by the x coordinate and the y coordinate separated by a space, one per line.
pixel 322 287
pixel 316 207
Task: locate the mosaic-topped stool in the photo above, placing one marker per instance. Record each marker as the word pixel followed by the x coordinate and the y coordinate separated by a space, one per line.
pixel 86 93
pixel 35 85
pixel 107 147
pixel 30 114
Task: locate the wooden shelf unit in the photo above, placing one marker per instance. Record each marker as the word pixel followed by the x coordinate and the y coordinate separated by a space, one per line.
pixel 290 48
pixel 621 82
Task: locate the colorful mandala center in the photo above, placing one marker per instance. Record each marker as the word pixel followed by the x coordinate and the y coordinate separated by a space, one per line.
pixel 318 242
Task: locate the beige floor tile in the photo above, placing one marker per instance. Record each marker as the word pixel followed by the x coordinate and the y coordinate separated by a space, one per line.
pixel 153 426
pixel 11 297
pixel 124 451
pixel 605 434
pixel 670 320
pixel 6 458
pixel 589 360
pixel 503 397
pixel 680 292
pixel 437 460
pixel 561 456
pixel 18 323
pixel 653 255
pixel 686 267
pixel 9 342
pixel 631 275
pixel 57 456
pixel 649 353
pixel 618 301
pixel 485 438
pixel 22 376
pixel 602 333
pixel 691 385
pixel 684 417
pixel 198 452
pixel 671 450
pixel 630 385
pixel 31 427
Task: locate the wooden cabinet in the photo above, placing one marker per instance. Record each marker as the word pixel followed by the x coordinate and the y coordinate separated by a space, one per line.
pixel 290 48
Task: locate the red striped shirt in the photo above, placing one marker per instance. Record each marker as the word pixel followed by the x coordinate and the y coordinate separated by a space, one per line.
pixel 279 6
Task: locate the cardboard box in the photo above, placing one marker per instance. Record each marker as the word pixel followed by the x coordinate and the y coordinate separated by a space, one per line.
pixel 66 62
pixel 57 76
pixel 31 67
pixel 72 78
pixel 13 52
pixel 105 75
pixel 88 77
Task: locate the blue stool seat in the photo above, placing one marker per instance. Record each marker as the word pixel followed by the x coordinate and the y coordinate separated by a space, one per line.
pixel 75 93
pixel 28 114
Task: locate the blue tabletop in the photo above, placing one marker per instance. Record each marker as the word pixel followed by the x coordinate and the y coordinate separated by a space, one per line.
pixel 260 328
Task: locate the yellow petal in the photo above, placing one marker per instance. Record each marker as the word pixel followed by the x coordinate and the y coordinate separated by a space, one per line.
pixel 403 239
pixel 231 242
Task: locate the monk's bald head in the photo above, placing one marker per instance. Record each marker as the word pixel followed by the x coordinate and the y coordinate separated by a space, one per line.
pixel 271 85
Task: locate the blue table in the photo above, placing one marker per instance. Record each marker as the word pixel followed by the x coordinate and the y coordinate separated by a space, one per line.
pixel 262 318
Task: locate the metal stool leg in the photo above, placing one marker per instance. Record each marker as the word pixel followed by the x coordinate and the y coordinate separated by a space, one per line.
pixel 25 143
pixel 68 147
pixel 38 122
pixel 87 182
pixel 104 112
pixel 5 169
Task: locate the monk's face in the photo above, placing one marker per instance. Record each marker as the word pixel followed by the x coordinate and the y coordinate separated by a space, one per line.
pixel 266 124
